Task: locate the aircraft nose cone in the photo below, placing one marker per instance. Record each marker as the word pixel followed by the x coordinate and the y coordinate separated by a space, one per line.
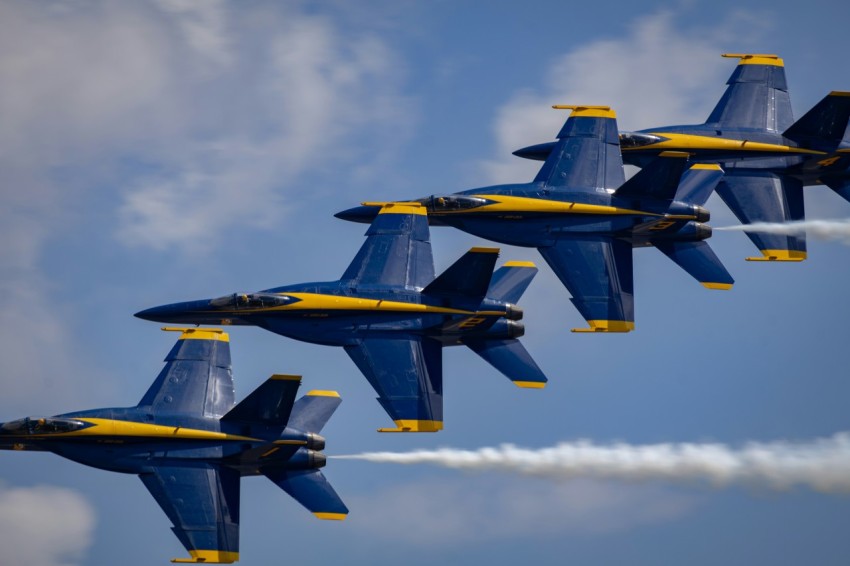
pixel 189 311
pixel 365 214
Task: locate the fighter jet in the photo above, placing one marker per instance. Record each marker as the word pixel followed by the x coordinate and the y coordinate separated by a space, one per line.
pixel 190 444
pixel 767 156
pixel 392 316
pixel 585 218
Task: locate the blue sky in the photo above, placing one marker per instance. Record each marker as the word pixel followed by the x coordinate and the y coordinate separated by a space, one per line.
pixel 153 152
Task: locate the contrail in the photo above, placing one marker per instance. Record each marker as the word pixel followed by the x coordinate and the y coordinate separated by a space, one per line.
pixel 821 229
pixel 822 464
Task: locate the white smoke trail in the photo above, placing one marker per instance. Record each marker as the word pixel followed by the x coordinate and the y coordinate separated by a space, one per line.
pixel 821 229
pixel 822 464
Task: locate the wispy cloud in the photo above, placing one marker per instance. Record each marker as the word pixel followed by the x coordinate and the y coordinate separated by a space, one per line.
pixel 44 526
pixel 659 73
pixel 822 464
pixel 463 511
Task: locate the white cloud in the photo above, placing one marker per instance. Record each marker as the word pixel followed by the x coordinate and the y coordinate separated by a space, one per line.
pixel 461 511
pixel 44 526
pixel 658 74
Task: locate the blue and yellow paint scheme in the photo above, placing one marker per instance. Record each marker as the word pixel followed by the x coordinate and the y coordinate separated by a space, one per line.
pixel 766 155
pixel 585 218
pixel 393 316
pixel 190 443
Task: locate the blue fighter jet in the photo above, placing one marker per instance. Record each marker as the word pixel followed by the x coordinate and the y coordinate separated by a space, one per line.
pixel 766 155
pixel 585 218
pixel 190 444
pixel 392 316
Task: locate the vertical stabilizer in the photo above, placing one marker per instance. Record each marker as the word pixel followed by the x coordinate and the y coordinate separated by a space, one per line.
pixel 757 96
pixel 587 153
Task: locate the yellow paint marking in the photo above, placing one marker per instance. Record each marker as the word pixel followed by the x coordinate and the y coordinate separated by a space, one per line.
pixel 403 208
pixel 208 556
pixel 607 326
pixel 779 255
pixel 687 142
pixel 331 516
pixel 199 333
pixel 285 377
pixel 707 166
pixel 414 426
pixel 109 427
pixel 829 161
pixel 519 264
pixel 756 59
pixel 530 384
pixel 678 154
pixel 718 286
pixel 586 111
pixel 504 203
pixel 479 250
pixel 321 393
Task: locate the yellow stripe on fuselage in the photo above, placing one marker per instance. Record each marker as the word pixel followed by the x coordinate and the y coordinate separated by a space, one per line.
pixel 199 333
pixel 110 427
pixel 504 203
pixel 686 142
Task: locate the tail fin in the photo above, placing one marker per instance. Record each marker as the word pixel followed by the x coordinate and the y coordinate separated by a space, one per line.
pixel 757 95
pixel 312 411
pixel 397 250
pixel 667 178
pixel 825 126
pixel 700 261
pixel 268 405
pixel 512 359
pixel 311 489
pixel 658 180
pixel 464 284
pixel 510 281
pixel 698 182
pixel 587 153
pixel 196 378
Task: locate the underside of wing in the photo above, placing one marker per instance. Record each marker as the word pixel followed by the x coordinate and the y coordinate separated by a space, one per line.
pixel 407 374
pixel 203 505
pixel 597 271
pixel 767 198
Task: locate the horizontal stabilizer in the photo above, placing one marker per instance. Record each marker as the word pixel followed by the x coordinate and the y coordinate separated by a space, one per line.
pixel 464 284
pixel 700 261
pixel 825 125
pixel 312 490
pixel 512 359
pixel 510 281
pixel 658 180
pixel 269 404
pixel 767 197
pixel 312 411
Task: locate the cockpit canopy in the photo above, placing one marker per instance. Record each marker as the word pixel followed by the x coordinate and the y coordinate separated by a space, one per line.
pixel 252 301
pixel 41 425
pixel 630 140
pixel 452 202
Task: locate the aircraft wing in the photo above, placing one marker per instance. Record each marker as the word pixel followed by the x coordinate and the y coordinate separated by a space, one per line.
pixel 597 271
pixel 397 250
pixel 196 378
pixel 767 197
pixel 407 373
pixel 203 505
pixel 311 489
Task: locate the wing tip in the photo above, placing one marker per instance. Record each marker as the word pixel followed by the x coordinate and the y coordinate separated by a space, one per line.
pixel 780 255
pixel 530 384
pixel 717 286
pixel 614 326
pixel 322 393
pixel 330 516
pixel 406 425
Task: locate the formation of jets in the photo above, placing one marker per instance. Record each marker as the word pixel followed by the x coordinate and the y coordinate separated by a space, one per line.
pixel 189 441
